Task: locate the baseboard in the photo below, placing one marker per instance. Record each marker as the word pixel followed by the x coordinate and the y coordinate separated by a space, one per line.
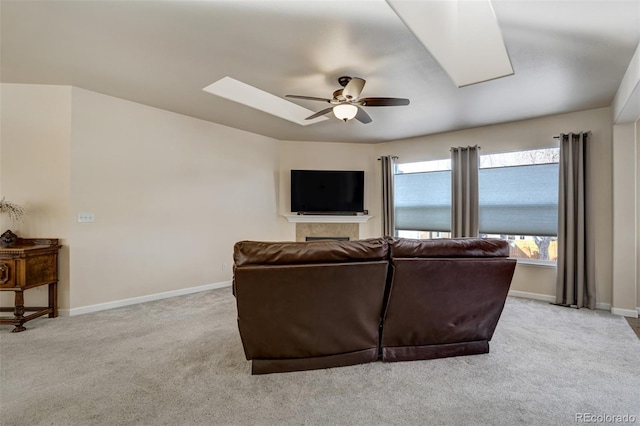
pixel 625 312
pixel 552 299
pixel 183 291
pixel 535 296
pixel 141 299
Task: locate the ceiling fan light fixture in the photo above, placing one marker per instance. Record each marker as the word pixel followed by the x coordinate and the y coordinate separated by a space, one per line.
pixel 347 104
pixel 345 112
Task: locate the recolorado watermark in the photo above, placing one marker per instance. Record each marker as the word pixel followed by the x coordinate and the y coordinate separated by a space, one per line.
pixel 605 418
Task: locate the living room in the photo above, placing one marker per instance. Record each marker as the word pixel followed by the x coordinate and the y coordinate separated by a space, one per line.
pixel 238 178
pixel 172 193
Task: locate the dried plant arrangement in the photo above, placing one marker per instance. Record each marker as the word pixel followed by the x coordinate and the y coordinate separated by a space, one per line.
pixel 13 210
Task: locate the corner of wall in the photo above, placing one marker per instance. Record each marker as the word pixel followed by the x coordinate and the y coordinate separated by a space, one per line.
pixel 626 103
pixel 35 166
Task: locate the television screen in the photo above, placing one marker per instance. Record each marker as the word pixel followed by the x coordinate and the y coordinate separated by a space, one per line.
pixel 327 191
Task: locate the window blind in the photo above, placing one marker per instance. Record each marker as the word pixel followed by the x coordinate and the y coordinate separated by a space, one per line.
pixel 423 201
pixel 519 200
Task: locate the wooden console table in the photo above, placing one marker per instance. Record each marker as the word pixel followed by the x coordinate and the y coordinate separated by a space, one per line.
pixel 29 263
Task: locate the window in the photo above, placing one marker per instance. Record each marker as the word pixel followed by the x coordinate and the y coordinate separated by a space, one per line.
pixel 518 200
pixel 423 199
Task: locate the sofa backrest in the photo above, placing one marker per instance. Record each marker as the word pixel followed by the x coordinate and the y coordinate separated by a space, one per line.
pixel 323 251
pixel 448 247
pixel 310 300
pixel 445 291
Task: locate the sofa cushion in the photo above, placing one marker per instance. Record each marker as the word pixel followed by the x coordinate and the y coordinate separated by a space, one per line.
pixel 324 251
pixel 450 248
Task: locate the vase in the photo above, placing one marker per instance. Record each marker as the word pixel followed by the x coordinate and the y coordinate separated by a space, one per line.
pixel 8 238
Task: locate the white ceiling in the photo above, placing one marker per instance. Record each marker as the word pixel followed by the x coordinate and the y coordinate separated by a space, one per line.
pixel 566 56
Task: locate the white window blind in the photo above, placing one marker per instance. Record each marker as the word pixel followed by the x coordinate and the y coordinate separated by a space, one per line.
pixel 423 201
pixel 518 194
pixel 519 200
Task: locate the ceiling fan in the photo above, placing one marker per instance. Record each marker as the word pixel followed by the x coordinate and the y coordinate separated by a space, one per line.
pixel 347 104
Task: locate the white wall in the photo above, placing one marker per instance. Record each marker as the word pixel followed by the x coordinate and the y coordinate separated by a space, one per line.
pixel 624 217
pixel 170 194
pixel 626 240
pixel 531 134
pixel 35 171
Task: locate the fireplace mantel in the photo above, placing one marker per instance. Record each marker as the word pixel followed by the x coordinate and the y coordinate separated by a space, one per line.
pixel 318 218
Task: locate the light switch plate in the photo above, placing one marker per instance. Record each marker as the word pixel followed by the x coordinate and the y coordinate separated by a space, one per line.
pixel 86 217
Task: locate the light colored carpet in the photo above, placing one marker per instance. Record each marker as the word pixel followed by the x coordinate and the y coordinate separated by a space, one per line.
pixel 180 362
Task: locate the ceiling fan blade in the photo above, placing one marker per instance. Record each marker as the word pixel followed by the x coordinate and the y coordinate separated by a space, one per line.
pixel 383 101
pixel 320 113
pixel 363 117
pixel 353 88
pixel 309 98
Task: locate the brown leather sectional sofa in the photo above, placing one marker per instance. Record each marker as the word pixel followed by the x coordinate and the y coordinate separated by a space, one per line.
pixel 321 304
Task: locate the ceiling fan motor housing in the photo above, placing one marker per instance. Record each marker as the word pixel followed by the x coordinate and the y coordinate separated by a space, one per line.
pixel 346 102
pixel 344 80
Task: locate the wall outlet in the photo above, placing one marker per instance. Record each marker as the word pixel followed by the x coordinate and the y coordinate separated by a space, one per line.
pixel 225 266
pixel 86 217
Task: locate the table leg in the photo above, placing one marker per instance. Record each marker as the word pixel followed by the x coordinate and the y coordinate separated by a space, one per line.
pixel 19 312
pixel 53 299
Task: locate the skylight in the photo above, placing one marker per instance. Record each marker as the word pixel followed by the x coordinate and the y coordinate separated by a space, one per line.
pixel 237 91
pixel 463 36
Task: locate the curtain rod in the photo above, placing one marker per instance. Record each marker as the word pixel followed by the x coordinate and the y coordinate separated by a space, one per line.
pixel 463 147
pixel 558 136
pixel 392 156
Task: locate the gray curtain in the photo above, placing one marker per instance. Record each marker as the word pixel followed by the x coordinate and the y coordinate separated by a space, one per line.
pixel 388 214
pixel 464 191
pixel 576 278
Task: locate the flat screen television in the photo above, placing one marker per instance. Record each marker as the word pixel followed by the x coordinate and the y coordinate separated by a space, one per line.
pixel 327 191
